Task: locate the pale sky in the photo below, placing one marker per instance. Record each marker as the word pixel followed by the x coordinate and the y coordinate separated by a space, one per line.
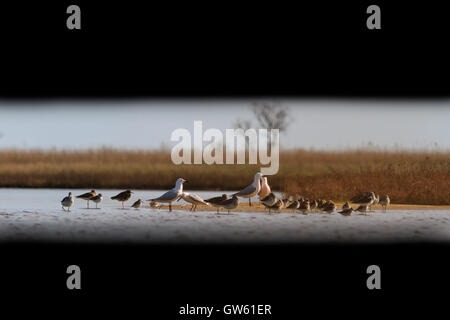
pixel 148 124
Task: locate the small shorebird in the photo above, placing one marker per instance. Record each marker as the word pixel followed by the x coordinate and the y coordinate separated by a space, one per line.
pixel 265 188
pixel 154 204
pixel 87 196
pixel 252 189
pixel 173 194
pixel 346 211
pixel 329 206
pixel 97 199
pixel 346 206
pixel 385 201
pixel 313 205
pixel 304 206
pixel 294 205
pixel 376 200
pixel 362 208
pixel 320 204
pixel 278 205
pixel 364 199
pixel 137 204
pixel 269 200
pixel 194 199
pixel 67 202
pixel 123 196
pixel 230 204
pixel 215 202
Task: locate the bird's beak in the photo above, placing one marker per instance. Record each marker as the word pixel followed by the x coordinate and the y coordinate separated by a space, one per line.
pixel 185 180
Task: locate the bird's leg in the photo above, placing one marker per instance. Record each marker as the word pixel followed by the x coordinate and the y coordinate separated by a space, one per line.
pixel 249 202
pixel 170 206
pixel 123 207
pixel 88 204
pixel 63 208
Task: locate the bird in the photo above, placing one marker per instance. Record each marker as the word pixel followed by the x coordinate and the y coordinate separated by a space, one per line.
pixel 215 201
pixel 304 206
pixel 346 206
pixel 362 208
pixel 313 205
pixel 346 211
pixel 123 196
pixel 320 204
pixel 171 195
pixel 269 200
pixel 97 199
pixel 137 204
pixel 276 206
pixel 252 189
pixel 265 188
pixel 385 201
pixel 376 200
pixel 192 198
pixel 329 206
pixel 154 204
pixel 364 199
pixel 67 202
pixel 87 196
pixel 230 204
pixel 294 205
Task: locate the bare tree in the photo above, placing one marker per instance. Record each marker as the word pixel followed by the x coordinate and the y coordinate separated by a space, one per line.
pixel 271 115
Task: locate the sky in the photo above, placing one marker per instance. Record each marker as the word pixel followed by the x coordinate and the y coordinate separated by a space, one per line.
pixel 148 124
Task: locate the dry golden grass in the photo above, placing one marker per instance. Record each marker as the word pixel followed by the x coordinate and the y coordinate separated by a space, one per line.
pixel 412 178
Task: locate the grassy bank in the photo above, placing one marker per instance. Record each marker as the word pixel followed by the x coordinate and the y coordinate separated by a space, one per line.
pixel 414 178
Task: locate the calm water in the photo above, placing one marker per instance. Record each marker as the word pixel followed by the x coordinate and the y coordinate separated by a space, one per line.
pixel 49 199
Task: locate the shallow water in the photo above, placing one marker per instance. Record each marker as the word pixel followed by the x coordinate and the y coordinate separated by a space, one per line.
pixel 35 215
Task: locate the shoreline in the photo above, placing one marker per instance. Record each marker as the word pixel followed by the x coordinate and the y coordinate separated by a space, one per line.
pixel 256 207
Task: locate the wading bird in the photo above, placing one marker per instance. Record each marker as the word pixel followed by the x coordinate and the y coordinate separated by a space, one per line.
pixel 171 195
pixel 346 212
pixel 365 199
pixel 194 199
pixel 252 189
pixel 67 202
pixel 123 196
pixel 230 204
pixel 87 196
pixel 385 201
pixel 216 201
pixel 137 204
pixel 97 199
pixel 265 188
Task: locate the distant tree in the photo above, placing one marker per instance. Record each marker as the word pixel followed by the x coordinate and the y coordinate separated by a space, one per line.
pixel 271 115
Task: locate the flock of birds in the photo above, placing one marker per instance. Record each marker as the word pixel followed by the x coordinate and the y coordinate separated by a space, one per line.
pixel 258 187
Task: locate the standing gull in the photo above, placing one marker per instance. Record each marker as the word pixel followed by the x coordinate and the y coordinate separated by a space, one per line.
pixel 123 196
pixel 97 199
pixel 67 202
pixel 216 201
pixel 265 188
pixel 252 189
pixel 87 196
pixel 173 194
pixel 194 199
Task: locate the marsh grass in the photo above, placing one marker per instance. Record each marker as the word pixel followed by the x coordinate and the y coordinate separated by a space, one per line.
pixel 408 177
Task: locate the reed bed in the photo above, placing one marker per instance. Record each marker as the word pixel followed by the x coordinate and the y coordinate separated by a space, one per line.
pixel 408 177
